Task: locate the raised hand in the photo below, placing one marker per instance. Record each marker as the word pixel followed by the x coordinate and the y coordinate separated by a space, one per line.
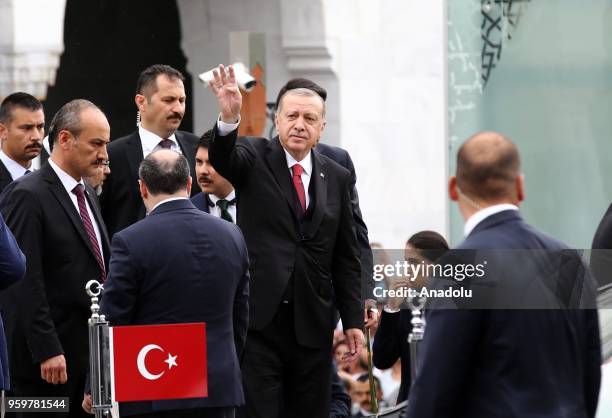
pixel 229 99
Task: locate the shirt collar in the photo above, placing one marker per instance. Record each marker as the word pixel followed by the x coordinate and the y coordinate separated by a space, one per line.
pixel 150 140
pixel 15 169
pixel 214 199
pixel 170 199
pixel 67 180
pixel 306 162
pixel 482 214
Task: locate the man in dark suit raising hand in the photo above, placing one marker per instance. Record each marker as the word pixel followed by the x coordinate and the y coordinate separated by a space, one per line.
pixel 296 217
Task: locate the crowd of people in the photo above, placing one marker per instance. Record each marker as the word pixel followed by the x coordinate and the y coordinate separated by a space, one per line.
pixel 264 241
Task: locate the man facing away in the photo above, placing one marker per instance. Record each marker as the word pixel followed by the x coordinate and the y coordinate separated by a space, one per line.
pixel 180 265
pixel 296 216
pixel 57 223
pixel 160 99
pixel 505 362
pixel 22 128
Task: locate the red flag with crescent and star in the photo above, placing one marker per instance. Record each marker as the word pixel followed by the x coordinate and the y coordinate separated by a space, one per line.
pixel 152 362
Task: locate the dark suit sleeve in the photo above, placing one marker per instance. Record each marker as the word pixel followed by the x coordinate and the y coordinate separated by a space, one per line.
pixel 12 260
pixel 241 304
pixel 601 256
pixel 445 356
pixel 340 402
pixel 121 287
pixel 592 367
pixel 365 252
pixel 346 270
pixel 387 344
pixel 231 158
pixel 23 212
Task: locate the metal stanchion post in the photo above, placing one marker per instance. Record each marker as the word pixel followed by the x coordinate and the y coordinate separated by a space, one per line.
pixel 99 354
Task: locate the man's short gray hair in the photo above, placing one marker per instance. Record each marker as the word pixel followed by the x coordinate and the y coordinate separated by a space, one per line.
pixel 68 118
pixel 304 92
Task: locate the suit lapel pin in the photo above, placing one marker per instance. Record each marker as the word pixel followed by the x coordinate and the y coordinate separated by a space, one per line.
pixel 322 175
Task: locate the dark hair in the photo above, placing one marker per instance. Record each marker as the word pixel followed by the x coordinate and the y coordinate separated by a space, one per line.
pixel 163 176
pixel 488 163
pixel 204 141
pixel 429 244
pixel 68 118
pixel 301 83
pixel 365 377
pixel 19 99
pixel 147 80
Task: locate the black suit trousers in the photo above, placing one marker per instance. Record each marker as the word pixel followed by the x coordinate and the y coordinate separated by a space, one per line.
pixel 281 377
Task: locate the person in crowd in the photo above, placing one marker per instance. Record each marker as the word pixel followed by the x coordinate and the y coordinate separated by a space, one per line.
pixel 218 196
pixel 184 284
pixel 391 342
pixel 342 157
pixel 12 269
pixel 97 181
pixel 58 225
pixel 505 362
pixel 160 99
pixel 296 216
pixel 22 128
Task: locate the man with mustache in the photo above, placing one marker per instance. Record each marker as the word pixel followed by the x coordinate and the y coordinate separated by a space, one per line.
pixel 218 196
pixel 22 127
pixel 58 225
pixel 160 99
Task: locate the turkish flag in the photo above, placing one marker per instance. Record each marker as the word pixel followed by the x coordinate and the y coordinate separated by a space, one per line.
pixel 152 362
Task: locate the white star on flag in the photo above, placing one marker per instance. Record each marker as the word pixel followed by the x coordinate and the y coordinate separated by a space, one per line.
pixel 171 360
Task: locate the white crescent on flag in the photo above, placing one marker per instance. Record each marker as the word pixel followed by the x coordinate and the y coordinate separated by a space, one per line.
pixel 142 354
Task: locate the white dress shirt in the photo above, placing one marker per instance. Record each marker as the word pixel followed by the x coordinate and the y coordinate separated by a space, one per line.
pixel 150 142
pixel 170 199
pixel 482 214
pixel 69 184
pixel 15 169
pixel 216 210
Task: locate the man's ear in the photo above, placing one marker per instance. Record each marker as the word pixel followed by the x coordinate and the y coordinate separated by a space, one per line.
pixel 189 183
pixel 520 188
pixel 144 193
pixel 63 139
pixel 3 131
pixel 452 189
pixel 141 102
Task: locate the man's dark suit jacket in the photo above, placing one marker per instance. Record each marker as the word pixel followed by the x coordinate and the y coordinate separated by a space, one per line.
pixel 5 177
pixel 508 363
pixel 12 268
pixel 200 202
pixel 198 272
pixel 49 308
pixel 120 199
pixel 315 255
pixel 342 157
pixel 601 255
pixel 391 343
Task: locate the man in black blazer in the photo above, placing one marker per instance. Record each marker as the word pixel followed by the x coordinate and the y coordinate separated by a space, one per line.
pixel 22 127
pixel 342 157
pixel 218 196
pixel 179 265
pixel 160 98
pixel 59 227
pixel 302 247
pixel 505 362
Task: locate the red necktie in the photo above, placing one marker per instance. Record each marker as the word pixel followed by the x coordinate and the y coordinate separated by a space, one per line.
pixel 79 191
pixel 297 171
